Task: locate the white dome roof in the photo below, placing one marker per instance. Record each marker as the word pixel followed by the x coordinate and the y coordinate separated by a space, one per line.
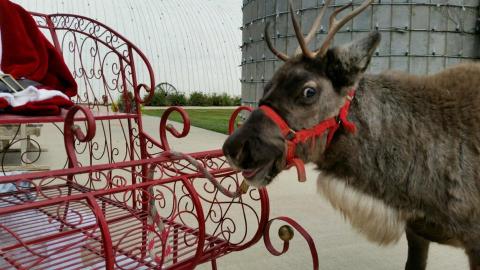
pixel 191 44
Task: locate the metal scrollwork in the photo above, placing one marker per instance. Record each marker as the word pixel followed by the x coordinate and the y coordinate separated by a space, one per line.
pixel 72 132
pixel 233 118
pixel 30 149
pixel 164 127
pixel 117 205
pixel 286 234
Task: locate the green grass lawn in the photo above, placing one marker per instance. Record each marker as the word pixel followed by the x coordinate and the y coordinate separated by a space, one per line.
pixel 211 119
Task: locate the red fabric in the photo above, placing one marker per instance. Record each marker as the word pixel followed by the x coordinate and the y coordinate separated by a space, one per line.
pixel 45 107
pixel 26 52
pixel 3 103
pixel 331 125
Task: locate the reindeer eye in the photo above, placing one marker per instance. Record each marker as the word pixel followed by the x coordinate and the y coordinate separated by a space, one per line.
pixel 309 92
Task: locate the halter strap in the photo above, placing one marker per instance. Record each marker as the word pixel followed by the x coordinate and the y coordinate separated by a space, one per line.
pixel 292 138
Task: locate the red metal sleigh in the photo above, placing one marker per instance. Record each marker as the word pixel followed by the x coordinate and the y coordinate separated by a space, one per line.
pixel 95 212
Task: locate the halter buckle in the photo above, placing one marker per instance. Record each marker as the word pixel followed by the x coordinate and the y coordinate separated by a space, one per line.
pixel 338 119
pixel 291 134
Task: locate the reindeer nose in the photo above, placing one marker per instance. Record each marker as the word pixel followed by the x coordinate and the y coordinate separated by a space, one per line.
pixel 251 144
pixel 233 148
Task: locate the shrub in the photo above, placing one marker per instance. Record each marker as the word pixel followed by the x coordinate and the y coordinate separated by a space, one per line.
pixel 159 98
pixel 199 99
pixel 162 98
pixel 176 99
pixel 120 104
pixel 114 106
pixel 237 101
pixel 221 100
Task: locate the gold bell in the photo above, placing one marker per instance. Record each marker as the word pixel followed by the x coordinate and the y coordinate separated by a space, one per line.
pixel 285 233
pixel 244 187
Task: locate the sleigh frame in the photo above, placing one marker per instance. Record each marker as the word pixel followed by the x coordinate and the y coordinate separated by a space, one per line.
pixel 93 210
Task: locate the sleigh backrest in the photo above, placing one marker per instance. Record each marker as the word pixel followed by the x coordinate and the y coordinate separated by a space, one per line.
pixel 107 67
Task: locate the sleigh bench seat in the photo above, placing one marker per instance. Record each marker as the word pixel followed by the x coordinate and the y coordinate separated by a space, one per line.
pixel 68 219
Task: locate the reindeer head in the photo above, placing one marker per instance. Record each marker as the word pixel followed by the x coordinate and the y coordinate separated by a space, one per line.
pixel 310 87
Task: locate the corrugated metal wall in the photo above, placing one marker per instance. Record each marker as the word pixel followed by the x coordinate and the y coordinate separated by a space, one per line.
pixel 191 44
pixel 418 36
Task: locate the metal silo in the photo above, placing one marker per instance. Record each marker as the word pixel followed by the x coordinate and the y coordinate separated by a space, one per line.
pixel 418 36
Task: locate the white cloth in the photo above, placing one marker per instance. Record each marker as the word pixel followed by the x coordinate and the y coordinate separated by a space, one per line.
pixel 4 188
pixel 31 94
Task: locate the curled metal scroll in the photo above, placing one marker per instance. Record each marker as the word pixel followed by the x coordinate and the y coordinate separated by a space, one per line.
pixel 286 233
pixel 148 97
pixel 28 157
pixel 231 122
pixel 164 126
pixel 72 132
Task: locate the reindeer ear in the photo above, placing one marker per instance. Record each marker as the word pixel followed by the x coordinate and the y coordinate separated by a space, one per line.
pixel 346 64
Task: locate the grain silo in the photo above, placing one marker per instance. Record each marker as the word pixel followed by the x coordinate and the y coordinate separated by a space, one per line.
pixel 418 36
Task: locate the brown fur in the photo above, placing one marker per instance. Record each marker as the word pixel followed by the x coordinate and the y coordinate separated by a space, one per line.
pixel 414 162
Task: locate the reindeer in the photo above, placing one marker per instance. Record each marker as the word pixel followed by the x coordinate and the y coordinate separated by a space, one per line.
pixel 396 152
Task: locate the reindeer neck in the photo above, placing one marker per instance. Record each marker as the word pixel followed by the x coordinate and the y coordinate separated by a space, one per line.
pixel 378 158
pixel 413 148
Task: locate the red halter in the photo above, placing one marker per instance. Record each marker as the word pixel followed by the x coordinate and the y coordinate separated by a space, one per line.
pixel 295 137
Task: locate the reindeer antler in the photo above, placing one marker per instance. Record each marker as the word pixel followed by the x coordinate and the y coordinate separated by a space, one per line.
pixel 333 28
pixel 315 26
pixel 277 53
pixel 298 32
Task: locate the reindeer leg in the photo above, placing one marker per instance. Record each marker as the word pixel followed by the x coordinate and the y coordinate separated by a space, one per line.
pixel 417 251
pixel 474 257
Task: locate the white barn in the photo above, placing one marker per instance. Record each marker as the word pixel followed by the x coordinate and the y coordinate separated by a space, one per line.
pixel 191 44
